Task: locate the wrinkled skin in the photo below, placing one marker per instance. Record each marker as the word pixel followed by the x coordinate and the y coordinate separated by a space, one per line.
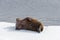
pixel 29 24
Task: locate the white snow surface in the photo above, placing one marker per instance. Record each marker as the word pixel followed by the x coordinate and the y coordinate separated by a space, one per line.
pixel 8 32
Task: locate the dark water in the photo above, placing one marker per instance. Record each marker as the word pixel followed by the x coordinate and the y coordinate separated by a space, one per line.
pixel 48 11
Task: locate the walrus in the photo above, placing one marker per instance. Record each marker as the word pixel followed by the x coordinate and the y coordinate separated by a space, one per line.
pixel 29 24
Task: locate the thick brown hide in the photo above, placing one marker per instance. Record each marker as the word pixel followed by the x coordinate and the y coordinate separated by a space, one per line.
pixel 29 24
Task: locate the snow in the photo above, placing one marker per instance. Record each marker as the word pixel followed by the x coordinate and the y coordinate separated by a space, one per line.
pixel 8 32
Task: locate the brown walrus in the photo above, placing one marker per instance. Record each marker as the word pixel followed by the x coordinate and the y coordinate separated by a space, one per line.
pixel 29 24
